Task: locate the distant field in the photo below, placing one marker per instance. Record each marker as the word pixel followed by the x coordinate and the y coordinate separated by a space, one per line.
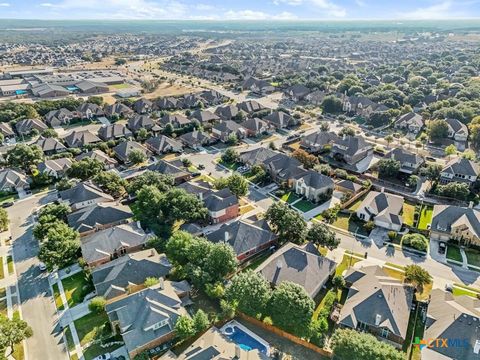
pixel 121 86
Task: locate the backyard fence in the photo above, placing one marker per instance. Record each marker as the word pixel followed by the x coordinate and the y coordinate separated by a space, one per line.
pixel 286 335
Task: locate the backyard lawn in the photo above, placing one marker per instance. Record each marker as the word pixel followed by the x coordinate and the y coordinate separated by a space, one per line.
pixel 408 211
pixel 425 217
pixel 290 197
pixel 453 253
pixel 92 326
pixel 76 287
pixel 347 262
pixel 305 205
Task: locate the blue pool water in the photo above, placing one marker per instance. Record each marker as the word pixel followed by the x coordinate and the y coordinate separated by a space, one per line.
pixel 245 341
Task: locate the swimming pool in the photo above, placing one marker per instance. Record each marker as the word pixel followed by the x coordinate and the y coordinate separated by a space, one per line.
pixel 244 338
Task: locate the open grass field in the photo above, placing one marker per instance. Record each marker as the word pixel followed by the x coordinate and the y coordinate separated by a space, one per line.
pixel 76 287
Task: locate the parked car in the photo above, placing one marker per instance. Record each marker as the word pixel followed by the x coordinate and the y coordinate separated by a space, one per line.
pixel 7 204
pixel 42 266
pixel 442 247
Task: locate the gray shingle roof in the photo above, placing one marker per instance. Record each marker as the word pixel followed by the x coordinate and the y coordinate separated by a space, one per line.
pixel 90 217
pixel 84 191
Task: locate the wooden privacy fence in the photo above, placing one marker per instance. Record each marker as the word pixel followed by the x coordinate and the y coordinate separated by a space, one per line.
pixel 286 335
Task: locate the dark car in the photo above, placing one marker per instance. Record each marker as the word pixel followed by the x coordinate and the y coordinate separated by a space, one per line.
pixel 442 247
pixel 7 204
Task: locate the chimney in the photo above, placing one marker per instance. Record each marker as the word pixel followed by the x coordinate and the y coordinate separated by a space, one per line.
pixel 279 264
pixel 382 189
pixel 161 283
pixel 138 225
pixel 226 236
pixel 470 204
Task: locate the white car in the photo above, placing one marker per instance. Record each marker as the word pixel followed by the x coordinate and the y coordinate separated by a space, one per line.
pixel 42 266
pixel 103 357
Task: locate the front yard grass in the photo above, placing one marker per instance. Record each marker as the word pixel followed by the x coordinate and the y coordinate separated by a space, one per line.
pixel 57 297
pixel 3 306
pixel 408 211
pixel 425 217
pixel 453 253
pixel 345 222
pixel 290 197
pixel 398 273
pixel 76 287
pixel 69 339
pixel 304 205
pixel 347 262
pixel 2 271
pixel 92 326
pixel 10 264
pixel 473 257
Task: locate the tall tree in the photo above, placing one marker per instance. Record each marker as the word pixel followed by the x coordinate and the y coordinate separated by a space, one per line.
pixel 137 157
pixel 161 181
pixel 287 223
pixel 24 156
pixel 85 169
pixel 437 130
pixel 111 183
pixel 60 247
pixel 308 160
pixel 12 332
pixel 321 235
pixel 418 276
pixel 237 184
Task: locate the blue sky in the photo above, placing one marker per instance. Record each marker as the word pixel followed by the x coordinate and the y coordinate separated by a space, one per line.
pixel 240 9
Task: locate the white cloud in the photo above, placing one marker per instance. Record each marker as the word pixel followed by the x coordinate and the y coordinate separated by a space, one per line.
pixel 47 5
pixel 4 4
pixel 256 15
pixel 288 2
pixel 330 8
pixel 443 10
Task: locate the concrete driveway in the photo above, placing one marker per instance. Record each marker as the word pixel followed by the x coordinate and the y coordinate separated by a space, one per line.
pixel 379 236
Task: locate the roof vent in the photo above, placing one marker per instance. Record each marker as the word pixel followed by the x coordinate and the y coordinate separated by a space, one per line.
pixel 476 348
pixel 279 264
pixel 378 318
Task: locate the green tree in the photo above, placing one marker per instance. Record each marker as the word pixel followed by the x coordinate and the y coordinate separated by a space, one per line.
pixel 346 342
pixel 184 327
pixel 49 133
pixel 431 172
pixel 237 184
pixel 450 150
pixel 454 190
pixel 12 332
pixel 320 234
pixel 417 276
pixel 388 168
pixel 85 169
pixel 291 308
pixel 307 160
pixel 249 292
pixel 4 221
pixel 331 104
pixel 437 130
pixel 59 211
pixel 136 157
pixel 338 282
pixel 111 183
pixel 151 281
pixel 412 181
pixel 200 321
pixel 24 156
pixel 97 304
pixel 142 134
pixel 230 156
pixel 161 181
pixel 60 247
pixel 232 139
pixel 287 223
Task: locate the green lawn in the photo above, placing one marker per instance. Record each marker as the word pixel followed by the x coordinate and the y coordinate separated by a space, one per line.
pixel 10 264
pixel 425 217
pixel 458 291
pixel 3 292
pixel 344 221
pixel 305 205
pixel 2 271
pixel 57 297
pixel 8 198
pixel 473 257
pixel 76 287
pixel 95 350
pixel 230 166
pixel 69 339
pixel 347 262
pixel 290 197
pixel 120 86
pixel 257 261
pixel 453 253
pixel 408 211
pixel 92 326
pixel 415 328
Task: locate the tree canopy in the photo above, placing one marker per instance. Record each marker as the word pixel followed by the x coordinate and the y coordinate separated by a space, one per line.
pixel 85 169
pixel 320 234
pixel 287 223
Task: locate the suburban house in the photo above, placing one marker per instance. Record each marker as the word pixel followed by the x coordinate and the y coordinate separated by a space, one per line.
pixel 452 317
pixel 318 141
pixel 251 106
pixel 50 145
pixel 82 195
pixel 378 304
pixel 224 129
pixel 142 106
pixel 248 237
pixel 361 105
pixel 123 150
pixel 257 156
pixel 214 345
pixel 227 112
pixel 80 138
pixel 90 111
pixel 162 144
pixel 297 92
pixel 7 131
pixel 98 217
pixel 460 170
pixel 26 126
pixel 283 168
pixel 383 208
pixel 99 155
pixel 300 264
pixel 140 122
pixel 55 168
pixel 178 174
pixel 118 109
pixel 409 162
pixel 351 149
pixel 316 97
pixel 105 245
pixel 256 127
pixel 204 116
pixel 114 132
pixel 60 117
pixel 128 273
pixel 196 139
pixel 313 186
pixel 410 122
pixel 281 120
pixel 257 86
pixel 146 319
pixel 177 121
pixel 348 186
pixel 457 130
pixel 12 181
pixel 455 222
pixel 222 205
